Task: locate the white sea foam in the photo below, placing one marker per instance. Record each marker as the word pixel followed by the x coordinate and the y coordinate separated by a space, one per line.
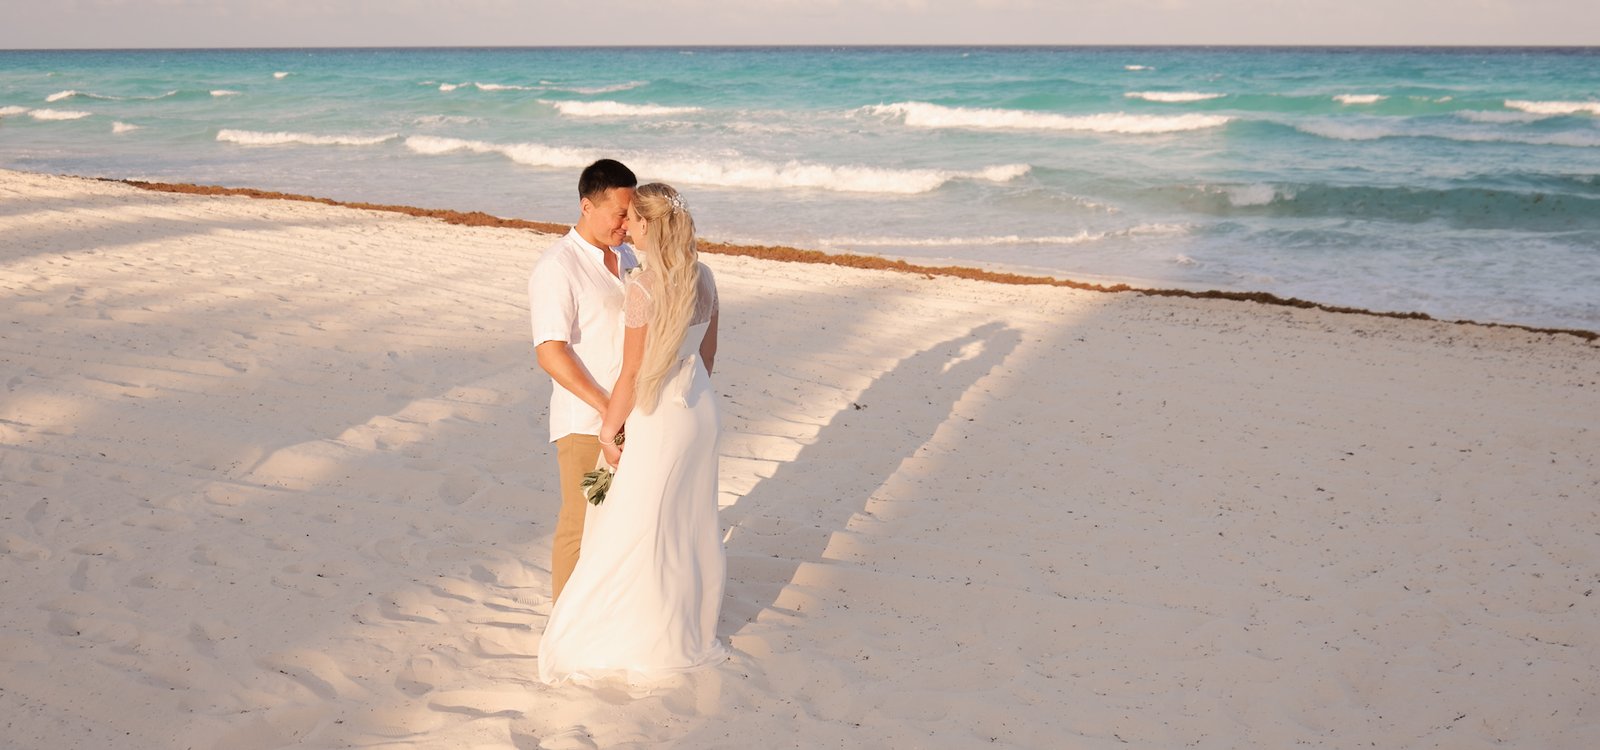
pixel 1371 131
pixel 1009 239
pixel 257 138
pixel 1172 96
pixel 1555 108
pixel 223 92
pixel 13 111
pixel 443 120
pixel 1500 118
pixel 730 172
pixel 1255 195
pixel 122 127
pixel 449 86
pixel 281 74
pixel 57 114
pixel 502 87
pixel 1359 98
pixel 924 115
pixel 1137 67
pixel 616 109
pixel 59 95
pixel 612 89
pixel 1184 260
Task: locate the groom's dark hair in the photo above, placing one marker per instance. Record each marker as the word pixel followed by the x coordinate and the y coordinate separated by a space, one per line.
pixel 604 175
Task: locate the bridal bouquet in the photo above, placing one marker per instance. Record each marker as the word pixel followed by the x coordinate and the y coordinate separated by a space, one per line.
pixel 596 483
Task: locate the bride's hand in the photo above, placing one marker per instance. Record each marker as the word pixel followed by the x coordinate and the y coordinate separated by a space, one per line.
pixel 613 454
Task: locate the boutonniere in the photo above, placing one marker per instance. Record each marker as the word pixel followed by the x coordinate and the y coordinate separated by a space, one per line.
pixel 627 273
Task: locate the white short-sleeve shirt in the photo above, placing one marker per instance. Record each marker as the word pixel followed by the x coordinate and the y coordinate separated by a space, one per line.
pixel 573 298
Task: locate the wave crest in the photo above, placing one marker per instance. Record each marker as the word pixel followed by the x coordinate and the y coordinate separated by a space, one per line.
pixel 611 89
pixel 924 115
pixel 257 138
pixel 736 172
pixel 224 92
pixel 57 114
pixel 1371 131
pixel 122 127
pixel 1359 98
pixel 1010 239
pixel 1173 97
pixel 1554 107
pixel 616 109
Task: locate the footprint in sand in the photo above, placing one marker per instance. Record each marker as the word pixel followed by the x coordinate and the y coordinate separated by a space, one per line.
pixel 166 580
pixel 481 704
pixel 23 549
pixel 420 676
pixel 91 575
pixel 204 635
pixel 160 521
pixel 505 572
pixel 461 591
pixel 107 549
pixel 219 557
pixel 394 550
pixel 313 670
pixel 459 487
pixel 575 738
pixel 408 606
pixel 505 644
pixel 313 585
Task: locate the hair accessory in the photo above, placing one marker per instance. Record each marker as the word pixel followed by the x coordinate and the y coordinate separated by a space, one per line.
pixel 678 203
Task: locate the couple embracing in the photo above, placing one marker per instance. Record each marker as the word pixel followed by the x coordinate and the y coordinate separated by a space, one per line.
pixel 629 335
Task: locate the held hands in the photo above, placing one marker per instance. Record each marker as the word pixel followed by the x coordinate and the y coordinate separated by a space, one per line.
pixel 612 448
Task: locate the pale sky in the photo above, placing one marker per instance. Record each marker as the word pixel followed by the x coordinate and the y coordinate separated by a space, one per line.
pixel 34 24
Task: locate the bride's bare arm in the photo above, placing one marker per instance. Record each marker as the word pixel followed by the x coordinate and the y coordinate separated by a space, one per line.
pixel 622 393
pixel 708 345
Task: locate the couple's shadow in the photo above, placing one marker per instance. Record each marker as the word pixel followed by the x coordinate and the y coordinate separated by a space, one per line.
pixel 788 519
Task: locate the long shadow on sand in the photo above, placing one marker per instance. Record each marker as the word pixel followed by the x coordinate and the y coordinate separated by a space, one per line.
pixel 788 519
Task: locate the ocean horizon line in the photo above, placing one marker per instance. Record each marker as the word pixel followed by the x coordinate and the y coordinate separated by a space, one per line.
pixel 851 46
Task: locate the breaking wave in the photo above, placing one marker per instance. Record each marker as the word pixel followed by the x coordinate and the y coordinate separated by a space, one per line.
pixel 1554 108
pixel 256 138
pixel 616 109
pixel 924 115
pixel 752 174
pixel 1172 96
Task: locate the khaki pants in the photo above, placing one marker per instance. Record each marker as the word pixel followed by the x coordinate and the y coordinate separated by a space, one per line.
pixel 576 455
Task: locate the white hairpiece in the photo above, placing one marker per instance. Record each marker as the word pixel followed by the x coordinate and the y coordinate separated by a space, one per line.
pixel 678 203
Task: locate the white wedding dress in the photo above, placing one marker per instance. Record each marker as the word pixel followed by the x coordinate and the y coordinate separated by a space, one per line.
pixel 644 599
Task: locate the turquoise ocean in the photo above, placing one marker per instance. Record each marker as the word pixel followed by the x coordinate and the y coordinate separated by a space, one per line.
pixel 1463 183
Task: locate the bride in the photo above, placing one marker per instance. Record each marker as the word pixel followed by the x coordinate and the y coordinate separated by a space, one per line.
pixel 646 593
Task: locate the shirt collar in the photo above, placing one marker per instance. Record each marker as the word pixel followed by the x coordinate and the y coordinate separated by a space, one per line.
pixel 625 258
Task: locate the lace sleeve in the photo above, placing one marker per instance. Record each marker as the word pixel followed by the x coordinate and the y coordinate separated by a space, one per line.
pixel 637 305
pixel 706 301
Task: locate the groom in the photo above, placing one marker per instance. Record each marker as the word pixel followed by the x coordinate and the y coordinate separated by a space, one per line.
pixel 576 293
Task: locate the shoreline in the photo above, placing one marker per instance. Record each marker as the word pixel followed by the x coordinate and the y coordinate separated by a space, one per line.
pixel 788 254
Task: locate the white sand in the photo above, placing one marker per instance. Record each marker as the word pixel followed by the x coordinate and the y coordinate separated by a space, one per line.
pixel 274 474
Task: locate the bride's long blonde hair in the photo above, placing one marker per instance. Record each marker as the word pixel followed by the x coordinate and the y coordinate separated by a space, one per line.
pixel 675 262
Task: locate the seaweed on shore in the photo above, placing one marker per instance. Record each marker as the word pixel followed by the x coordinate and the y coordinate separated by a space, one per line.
pixel 848 260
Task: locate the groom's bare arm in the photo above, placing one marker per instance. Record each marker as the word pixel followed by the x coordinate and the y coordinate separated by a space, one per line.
pixel 555 358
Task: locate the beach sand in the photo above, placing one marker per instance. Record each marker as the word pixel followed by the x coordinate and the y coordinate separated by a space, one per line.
pixel 274 473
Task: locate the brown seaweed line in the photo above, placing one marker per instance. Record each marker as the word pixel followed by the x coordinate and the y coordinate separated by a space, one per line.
pixel 849 260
